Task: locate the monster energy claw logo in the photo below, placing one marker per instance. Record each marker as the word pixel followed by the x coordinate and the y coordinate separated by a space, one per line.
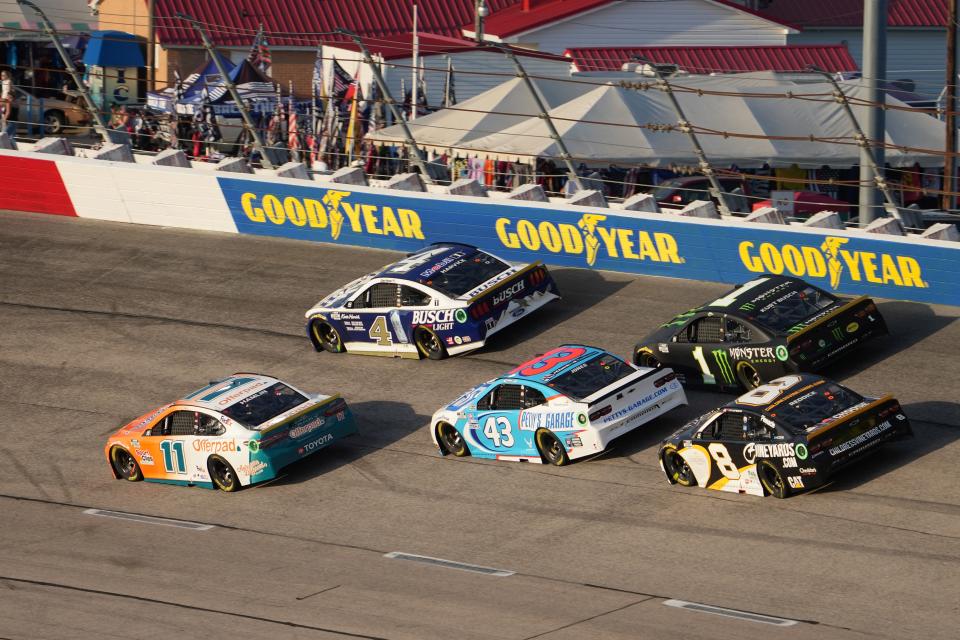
pixel 723 363
pixel 837 333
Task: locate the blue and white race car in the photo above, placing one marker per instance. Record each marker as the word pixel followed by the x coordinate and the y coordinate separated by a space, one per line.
pixel 565 404
pixel 444 300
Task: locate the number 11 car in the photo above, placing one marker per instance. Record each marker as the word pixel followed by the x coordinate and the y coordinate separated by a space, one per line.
pixel 566 404
pixel 234 432
pixel 786 436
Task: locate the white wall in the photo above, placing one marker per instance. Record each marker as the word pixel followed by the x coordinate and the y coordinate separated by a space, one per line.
pixel 674 23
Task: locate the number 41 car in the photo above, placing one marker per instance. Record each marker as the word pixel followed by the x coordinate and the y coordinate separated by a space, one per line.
pixel 566 404
pixel 234 432
pixel 786 436
pixel 444 300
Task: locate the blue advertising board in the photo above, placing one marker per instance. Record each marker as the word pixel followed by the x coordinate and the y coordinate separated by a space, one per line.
pixel 607 239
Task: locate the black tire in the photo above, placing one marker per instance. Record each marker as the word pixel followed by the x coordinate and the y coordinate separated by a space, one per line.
pixel 747 376
pixel 327 337
pixel 644 358
pixel 222 474
pixel 429 344
pixel 772 480
pixel 53 122
pixel 677 469
pixel 451 441
pixel 551 450
pixel 125 465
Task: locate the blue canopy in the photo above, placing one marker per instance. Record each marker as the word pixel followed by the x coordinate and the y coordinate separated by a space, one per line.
pixel 113 49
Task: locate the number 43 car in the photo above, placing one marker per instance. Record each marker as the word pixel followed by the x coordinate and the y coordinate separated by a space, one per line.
pixel 761 330
pixel 234 432
pixel 444 300
pixel 786 436
pixel 566 404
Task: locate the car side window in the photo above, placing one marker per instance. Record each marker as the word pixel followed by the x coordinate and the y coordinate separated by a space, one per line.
pixel 377 296
pixel 532 398
pixel 739 426
pixel 410 297
pixel 704 330
pixel 486 402
pixel 736 331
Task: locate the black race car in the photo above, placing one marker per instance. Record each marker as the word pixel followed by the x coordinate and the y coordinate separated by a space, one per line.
pixel 760 330
pixel 785 436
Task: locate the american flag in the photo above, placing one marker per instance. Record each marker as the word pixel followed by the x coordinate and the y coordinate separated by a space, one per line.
pixel 341 81
pixel 260 52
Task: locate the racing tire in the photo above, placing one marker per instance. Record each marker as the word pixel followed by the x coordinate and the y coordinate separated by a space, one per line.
pixel 125 465
pixel 53 122
pixel 327 337
pixel 747 376
pixel 643 358
pixel 222 474
pixel 772 480
pixel 451 441
pixel 428 344
pixel 677 469
pixel 551 450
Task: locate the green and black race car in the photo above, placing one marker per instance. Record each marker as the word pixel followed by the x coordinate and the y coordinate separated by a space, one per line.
pixel 760 330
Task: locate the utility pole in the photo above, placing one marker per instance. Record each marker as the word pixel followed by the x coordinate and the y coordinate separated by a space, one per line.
pixel 415 156
pixel 950 105
pixel 99 125
pixel 874 73
pixel 480 12
pixel 241 107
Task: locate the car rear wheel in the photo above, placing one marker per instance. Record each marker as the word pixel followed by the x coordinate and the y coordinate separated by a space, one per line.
pixel 327 337
pixel 677 468
pixel 644 358
pixel 429 344
pixel 53 122
pixel 125 465
pixel 550 448
pixel 451 441
pixel 222 474
pixel 772 480
pixel 748 376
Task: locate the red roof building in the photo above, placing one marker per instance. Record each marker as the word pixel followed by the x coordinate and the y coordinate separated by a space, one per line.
pixel 849 13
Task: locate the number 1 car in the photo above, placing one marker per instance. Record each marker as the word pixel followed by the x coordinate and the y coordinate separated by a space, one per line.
pixel 234 432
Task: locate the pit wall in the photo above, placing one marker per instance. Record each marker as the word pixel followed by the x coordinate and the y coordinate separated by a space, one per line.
pixel 849 262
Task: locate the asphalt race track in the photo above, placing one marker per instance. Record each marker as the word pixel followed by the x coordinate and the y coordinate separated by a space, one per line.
pixel 101 322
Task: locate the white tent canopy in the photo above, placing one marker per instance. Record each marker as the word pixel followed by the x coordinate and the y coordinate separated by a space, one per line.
pixel 609 123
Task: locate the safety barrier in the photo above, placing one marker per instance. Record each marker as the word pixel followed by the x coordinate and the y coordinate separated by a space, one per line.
pixel 853 262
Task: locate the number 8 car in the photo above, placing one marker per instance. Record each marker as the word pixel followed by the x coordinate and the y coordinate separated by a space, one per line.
pixel 566 404
pixel 789 435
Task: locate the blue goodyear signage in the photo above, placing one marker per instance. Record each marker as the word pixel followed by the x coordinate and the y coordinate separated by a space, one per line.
pixel 604 239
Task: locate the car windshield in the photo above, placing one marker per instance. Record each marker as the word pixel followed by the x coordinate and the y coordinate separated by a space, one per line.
pixel 815 406
pixel 465 274
pixel 793 306
pixel 264 405
pixel 593 375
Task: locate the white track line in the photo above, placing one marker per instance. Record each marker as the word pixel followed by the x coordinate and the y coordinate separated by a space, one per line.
pixel 731 613
pixel 135 517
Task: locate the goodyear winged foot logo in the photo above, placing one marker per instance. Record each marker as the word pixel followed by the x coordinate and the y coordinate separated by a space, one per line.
pixel 832 259
pixel 333 212
pixel 589 238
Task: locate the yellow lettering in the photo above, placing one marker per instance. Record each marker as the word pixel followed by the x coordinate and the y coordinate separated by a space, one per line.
pixel 246 202
pixel 647 250
pixel 771 258
pixel 626 244
pixel 572 238
pixel 793 260
pixel 353 213
pixel 390 224
pixel 870 268
pixel 316 214
pixel 910 270
pixel 528 235
pixel 273 208
pixel 411 224
pixel 509 240
pixel 550 237
pixel 295 211
pixel 853 263
pixel 813 259
pixel 370 220
pixel 890 273
pixel 751 262
pixel 667 247
pixel 609 239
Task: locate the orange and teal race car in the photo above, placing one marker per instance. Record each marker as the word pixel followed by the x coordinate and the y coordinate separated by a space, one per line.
pixel 234 432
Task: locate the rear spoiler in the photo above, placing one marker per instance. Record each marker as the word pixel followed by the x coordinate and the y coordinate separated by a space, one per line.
pixel 667 374
pixel 827 427
pixel 512 278
pixel 832 314
pixel 290 419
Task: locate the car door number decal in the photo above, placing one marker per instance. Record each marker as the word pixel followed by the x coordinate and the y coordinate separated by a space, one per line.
pixel 380 332
pixel 173 460
pixel 707 376
pixel 499 429
pixel 724 462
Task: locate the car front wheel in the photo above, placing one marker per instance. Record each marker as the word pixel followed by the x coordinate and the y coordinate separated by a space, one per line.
pixel 125 465
pixel 451 441
pixel 327 337
pixel 677 468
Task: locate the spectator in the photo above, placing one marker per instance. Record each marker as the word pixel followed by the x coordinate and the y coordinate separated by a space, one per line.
pixel 6 98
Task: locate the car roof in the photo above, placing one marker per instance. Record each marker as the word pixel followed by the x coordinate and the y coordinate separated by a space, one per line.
pixel 805 382
pixel 755 292
pixel 220 394
pixel 420 265
pixel 545 374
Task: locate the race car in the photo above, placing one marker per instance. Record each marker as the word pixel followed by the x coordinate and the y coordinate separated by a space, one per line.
pixel 789 435
pixel 444 300
pixel 565 404
pixel 233 432
pixel 760 330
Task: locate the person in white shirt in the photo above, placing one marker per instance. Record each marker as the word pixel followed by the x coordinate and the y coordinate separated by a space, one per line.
pixel 6 97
